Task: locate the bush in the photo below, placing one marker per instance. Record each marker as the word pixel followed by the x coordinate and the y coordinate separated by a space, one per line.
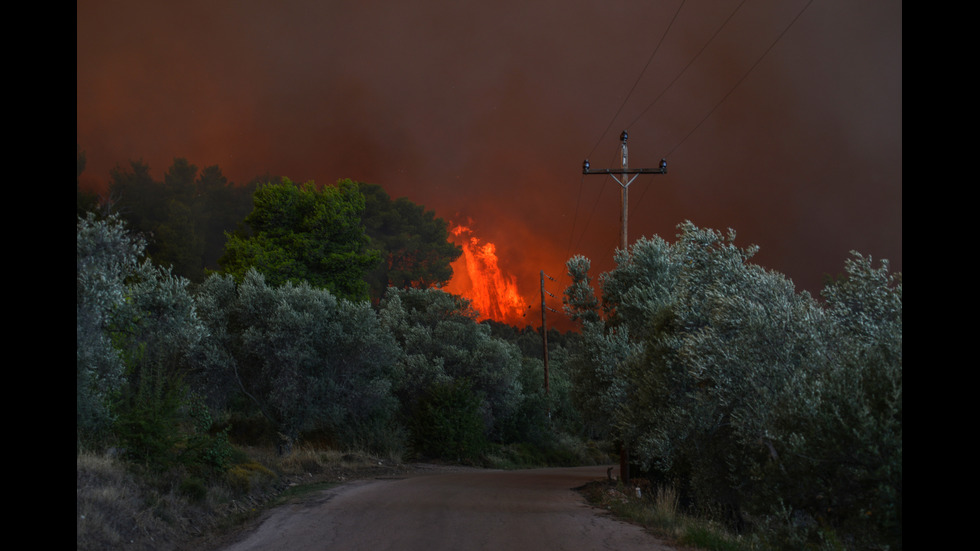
pixel 771 410
pixel 244 477
pixel 448 423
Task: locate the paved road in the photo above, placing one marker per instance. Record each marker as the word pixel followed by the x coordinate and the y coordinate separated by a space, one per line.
pixel 534 510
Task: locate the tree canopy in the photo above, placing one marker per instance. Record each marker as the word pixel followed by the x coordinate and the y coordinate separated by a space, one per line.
pixel 750 398
pixel 414 243
pixel 299 233
pixel 183 219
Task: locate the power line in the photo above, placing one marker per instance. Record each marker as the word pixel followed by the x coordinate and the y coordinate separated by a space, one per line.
pixel 742 79
pixel 689 63
pixel 649 106
pixel 638 78
pixel 571 238
pixel 737 83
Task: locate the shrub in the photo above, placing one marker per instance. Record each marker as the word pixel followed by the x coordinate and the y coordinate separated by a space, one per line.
pixel 766 407
pixel 243 477
pixel 448 424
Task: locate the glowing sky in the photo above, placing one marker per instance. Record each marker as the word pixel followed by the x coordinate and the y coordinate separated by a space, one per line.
pixel 781 119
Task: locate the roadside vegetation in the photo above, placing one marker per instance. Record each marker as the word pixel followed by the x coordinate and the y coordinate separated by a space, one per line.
pixel 122 505
pixel 771 413
pixel 317 346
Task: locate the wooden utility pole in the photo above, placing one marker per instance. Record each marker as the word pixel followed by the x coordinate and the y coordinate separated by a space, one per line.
pixel 544 340
pixel 620 175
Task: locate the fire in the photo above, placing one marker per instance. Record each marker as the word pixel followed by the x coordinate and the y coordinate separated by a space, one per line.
pixel 477 276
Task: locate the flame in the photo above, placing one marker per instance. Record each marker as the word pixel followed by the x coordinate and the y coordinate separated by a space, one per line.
pixel 477 276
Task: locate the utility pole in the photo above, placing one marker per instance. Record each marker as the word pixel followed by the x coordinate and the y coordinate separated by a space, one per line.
pixel 544 336
pixel 544 340
pixel 620 175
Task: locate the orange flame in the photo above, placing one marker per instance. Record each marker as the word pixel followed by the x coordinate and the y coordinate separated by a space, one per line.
pixel 478 277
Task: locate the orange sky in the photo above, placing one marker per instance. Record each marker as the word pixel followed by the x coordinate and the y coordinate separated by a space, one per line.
pixel 485 112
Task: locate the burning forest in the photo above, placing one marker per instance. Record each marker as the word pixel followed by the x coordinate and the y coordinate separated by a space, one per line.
pixel 477 276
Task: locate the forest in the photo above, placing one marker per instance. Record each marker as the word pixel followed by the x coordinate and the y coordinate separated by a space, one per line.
pixel 212 315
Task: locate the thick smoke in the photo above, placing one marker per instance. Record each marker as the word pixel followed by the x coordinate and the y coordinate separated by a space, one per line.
pixel 486 111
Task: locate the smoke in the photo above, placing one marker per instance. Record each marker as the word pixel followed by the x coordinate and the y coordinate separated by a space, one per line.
pixel 485 111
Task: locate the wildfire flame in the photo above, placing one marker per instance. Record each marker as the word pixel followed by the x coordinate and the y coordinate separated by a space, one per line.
pixel 477 276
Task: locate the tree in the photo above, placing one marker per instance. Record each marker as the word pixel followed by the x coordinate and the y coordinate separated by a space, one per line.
pixel 221 207
pixel 106 255
pixel 179 181
pixel 137 340
pixel 138 198
pixel 414 244
pixel 442 343
pixel 158 333
pixel 580 302
pixel 311 362
pixel 184 218
pixel 754 400
pixel 180 242
pixel 304 234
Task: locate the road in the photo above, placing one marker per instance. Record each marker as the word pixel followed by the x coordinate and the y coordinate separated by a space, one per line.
pixel 535 510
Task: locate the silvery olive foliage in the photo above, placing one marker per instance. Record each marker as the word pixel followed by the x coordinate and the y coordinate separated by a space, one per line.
pixel 309 360
pixel 776 409
pixel 106 255
pixel 137 336
pixel 443 343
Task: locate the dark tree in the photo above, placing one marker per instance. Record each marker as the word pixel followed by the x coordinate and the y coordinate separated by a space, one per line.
pixel 414 243
pixel 304 234
pixel 185 217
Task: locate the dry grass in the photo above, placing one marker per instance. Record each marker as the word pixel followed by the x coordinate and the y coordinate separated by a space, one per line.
pixel 115 509
pixel 119 508
pixel 657 509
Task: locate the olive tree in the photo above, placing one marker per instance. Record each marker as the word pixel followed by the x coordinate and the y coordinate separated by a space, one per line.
pixel 759 402
pixel 444 345
pixel 137 341
pixel 106 255
pixel 311 362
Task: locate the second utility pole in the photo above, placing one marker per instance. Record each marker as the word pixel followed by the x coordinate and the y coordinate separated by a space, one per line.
pixel 624 183
pixel 544 339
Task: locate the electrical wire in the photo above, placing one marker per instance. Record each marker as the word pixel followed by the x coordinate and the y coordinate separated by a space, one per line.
pixel 742 79
pixel 638 78
pixel 668 87
pixel 571 238
pixel 689 63
pixel 732 89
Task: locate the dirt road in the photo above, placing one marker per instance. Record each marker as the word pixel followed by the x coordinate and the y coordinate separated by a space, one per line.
pixel 535 510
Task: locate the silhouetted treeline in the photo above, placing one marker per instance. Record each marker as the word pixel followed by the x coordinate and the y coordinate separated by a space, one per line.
pixel 183 218
pixel 188 218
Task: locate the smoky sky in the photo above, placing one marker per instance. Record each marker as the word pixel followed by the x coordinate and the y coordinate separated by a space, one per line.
pixel 779 119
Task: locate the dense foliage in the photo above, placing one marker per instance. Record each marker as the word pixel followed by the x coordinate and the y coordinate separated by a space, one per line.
pixel 771 409
pixel 183 218
pixel 163 364
pixel 304 234
pixel 443 345
pixel 775 411
pixel 413 243
pixel 306 360
pixel 138 333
